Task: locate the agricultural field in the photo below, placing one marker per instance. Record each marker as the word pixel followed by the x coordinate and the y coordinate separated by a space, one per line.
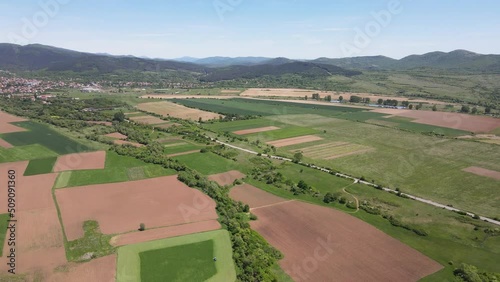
pixel 168 109
pixel 343 242
pixel 40 166
pixel 117 169
pixel 147 119
pixel 207 163
pixel 181 146
pixel 186 258
pixel 122 207
pixel 37 133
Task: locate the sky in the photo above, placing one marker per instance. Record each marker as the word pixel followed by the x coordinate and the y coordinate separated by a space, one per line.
pixel 298 29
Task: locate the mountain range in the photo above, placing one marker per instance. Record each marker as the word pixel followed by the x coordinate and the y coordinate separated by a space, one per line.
pixel 36 57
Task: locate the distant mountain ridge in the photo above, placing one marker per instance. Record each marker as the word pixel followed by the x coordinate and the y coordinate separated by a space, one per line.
pixel 37 57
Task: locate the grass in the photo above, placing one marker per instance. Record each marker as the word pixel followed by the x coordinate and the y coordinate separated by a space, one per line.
pixel 93 242
pixel 181 147
pixel 207 163
pixel 22 153
pixel 130 258
pixel 40 166
pixel 293 131
pixel 241 125
pixel 117 169
pixel 39 133
pixel 190 262
pixel 3 230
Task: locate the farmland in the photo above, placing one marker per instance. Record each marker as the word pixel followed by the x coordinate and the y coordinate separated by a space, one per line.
pixel 169 109
pixel 188 258
pixel 40 166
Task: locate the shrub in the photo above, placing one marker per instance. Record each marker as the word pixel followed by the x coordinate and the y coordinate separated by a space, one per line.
pixel 142 227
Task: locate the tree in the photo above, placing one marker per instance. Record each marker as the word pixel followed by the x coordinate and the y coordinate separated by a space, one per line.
pixel 487 110
pixel 328 98
pixel 410 106
pixel 341 98
pixel 199 120
pixel 474 110
pixel 355 99
pixel 142 227
pixel 119 116
pixel 434 108
pixel 465 109
pixel 297 157
pixel 316 96
pixel 419 106
pixel 305 97
pixel 380 101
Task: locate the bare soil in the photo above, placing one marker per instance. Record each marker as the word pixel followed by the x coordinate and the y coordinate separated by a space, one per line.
pixel 166 232
pixel 6 119
pixel 116 135
pixel 294 141
pixel 81 161
pixel 101 269
pixel 38 230
pixel 256 130
pixel 226 178
pixel 148 120
pixel 483 172
pixel 121 207
pixel 322 244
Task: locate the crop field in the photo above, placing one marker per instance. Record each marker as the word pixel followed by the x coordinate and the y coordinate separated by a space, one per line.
pixel 333 150
pixel 170 109
pixel 285 133
pixel 40 166
pixel 116 170
pixel 240 106
pixel 81 161
pixel 38 133
pixel 148 120
pixel 294 141
pixel 185 258
pixel 207 163
pixel 181 147
pixel 242 125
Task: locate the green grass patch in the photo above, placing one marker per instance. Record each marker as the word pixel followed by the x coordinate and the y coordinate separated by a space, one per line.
pixel 181 147
pixel 22 153
pixel 241 125
pixel 40 166
pixel 93 242
pixel 207 163
pixel 42 134
pixel 177 259
pixel 3 230
pixel 293 131
pixel 117 169
pixel 190 262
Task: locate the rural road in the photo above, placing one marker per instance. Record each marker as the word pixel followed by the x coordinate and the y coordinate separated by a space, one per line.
pixel 429 202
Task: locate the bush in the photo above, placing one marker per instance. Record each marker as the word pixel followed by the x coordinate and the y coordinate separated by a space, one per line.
pixel 142 227
pixel 253 217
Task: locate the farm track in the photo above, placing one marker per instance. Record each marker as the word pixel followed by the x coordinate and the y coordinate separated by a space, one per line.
pixel 429 202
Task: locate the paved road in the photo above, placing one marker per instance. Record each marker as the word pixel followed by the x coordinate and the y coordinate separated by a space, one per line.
pixel 429 202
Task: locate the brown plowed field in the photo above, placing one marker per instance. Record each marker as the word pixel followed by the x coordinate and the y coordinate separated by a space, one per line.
pixel 121 207
pixel 5 144
pixel 476 124
pixel 226 178
pixel 322 244
pixel 253 196
pixel 255 130
pixel 484 172
pixel 166 232
pixel 148 120
pixel 294 141
pixel 81 161
pixel 6 119
pixel 174 110
pixel 39 239
pixel 116 135
pixel 101 269
pixel 123 142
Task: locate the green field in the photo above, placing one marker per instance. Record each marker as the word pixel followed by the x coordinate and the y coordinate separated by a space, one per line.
pixel 42 134
pixel 180 147
pixel 185 258
pixel 117 169
pixel 242 125
pixel 3 230
pixel 178 262
pixel 22 153
pixel 207 163
pixel 40 166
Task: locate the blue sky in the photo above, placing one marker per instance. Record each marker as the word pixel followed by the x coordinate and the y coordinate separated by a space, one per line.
pixel 301 29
